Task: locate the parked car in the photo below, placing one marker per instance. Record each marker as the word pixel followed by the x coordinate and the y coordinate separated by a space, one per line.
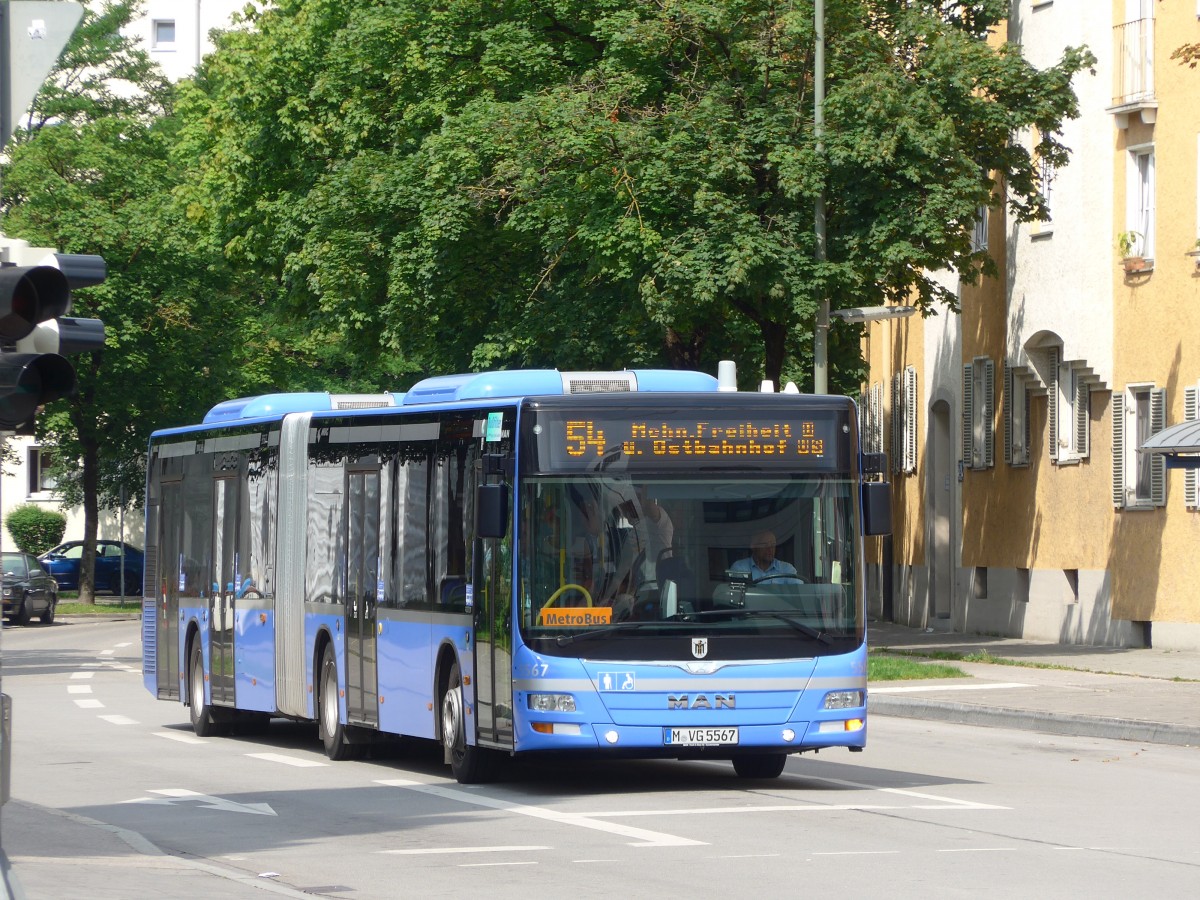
pixel 28 589
pixel 63 563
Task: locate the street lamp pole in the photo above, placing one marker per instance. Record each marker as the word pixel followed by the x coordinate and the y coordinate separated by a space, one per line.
pixel 821 330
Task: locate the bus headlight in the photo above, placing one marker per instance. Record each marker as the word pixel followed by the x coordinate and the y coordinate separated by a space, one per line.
pixel 843 699
pixel 552 702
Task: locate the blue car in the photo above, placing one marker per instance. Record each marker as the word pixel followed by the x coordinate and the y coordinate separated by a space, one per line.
pixel 63 563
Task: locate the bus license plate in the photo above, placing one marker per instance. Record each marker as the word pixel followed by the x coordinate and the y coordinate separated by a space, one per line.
pixel 699 737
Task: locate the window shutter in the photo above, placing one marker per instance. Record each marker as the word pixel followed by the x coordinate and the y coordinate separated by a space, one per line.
pixel 876 407
pixel 1158 466
pixel 897 424
pixel 910 420
pixel 1118 449
pixel 1083 414
pixel 968 416
pixel 1009 400
pixel 1189 475
pixel 1052 358
pixel 989 413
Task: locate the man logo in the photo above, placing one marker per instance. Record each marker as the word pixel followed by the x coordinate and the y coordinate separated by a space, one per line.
pixel 700 648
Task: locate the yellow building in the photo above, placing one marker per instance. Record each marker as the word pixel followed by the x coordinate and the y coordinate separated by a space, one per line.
pixel 1022 505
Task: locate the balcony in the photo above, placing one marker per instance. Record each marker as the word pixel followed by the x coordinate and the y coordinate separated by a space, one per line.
pixel 1133 72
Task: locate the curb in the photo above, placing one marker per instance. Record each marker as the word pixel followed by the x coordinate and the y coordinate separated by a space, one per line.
pixel 1037 720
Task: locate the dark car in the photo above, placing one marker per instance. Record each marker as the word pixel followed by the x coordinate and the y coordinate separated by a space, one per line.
pixel 28 589
pixel 63 563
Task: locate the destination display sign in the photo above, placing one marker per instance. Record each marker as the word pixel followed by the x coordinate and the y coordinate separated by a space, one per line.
pixel 596 440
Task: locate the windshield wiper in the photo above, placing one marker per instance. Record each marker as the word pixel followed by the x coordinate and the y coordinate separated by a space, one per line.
pixel 802 627
pixel 608 631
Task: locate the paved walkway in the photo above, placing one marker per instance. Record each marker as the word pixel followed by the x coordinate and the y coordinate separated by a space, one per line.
pixel 1130 694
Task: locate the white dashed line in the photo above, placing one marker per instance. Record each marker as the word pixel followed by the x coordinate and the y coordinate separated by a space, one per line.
pixel 81 676
pixel 79 688
pixel 120 720
pixel 436 850
pixel 287 760
pixel 181 736
pixel 89 704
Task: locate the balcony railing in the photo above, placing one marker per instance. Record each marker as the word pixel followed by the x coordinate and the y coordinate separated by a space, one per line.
pixel 1133 63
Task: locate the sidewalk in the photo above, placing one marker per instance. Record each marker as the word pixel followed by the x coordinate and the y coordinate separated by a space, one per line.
pixel 1127 694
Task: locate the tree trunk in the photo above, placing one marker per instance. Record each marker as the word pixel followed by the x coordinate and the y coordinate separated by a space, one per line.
pixel 774 336
pixel 684 350
pixel 91 519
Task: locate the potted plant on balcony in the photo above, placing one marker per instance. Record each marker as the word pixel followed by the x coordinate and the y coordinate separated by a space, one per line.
pixel 1129 242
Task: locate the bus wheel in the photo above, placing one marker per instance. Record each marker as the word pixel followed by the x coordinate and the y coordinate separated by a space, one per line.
pixel 470 765
pixel 333 732
pixel 759 765
pixel 203 721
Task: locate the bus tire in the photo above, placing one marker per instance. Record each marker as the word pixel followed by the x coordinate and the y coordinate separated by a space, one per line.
pixel 759 765
pixel 204 722
pixel 333 732
pixel 470 765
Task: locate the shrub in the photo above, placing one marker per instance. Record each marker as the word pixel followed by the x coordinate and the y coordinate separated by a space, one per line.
pixel 34 529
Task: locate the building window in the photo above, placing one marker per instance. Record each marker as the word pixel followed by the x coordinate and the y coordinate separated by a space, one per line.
pixel 904 421
pixel 162 34
pixel 979 240
pixel 1070 413
pixel 1016 418
pixel 1139 201
pixel 1047 175
pixel 1139 479
pixel 39 464
pixel 979 406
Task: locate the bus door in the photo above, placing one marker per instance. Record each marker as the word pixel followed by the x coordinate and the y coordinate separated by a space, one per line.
pixel 492 590
pixel 222 599
pixel 168 572
pixel 364 592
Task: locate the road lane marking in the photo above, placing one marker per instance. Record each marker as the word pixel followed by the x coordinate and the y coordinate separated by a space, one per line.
pixel 940 802
pixel 79 688
pixel 853 853
pixel 530 862
pixel 181 736
pixel 436 850
pixel 89 704
pixel 120 720
pixel 171 796
pixel 82 675
pixel 926 688
pixel 287 760
pixel 641 837
pixel 722 810
pixel 975 850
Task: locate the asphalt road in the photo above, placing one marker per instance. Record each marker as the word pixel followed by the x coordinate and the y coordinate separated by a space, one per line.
pixel 114 797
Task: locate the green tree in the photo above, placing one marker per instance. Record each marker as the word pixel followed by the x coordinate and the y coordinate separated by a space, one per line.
pixel 95 175
pixel 607 182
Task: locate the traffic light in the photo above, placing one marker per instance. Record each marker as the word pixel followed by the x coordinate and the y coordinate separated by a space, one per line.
pixel 36 334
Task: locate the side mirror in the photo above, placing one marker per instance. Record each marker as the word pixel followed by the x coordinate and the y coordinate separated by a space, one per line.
pixel 491 511
pixel 876 508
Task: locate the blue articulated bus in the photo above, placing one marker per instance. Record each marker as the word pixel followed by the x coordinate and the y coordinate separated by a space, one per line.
pixel 635 563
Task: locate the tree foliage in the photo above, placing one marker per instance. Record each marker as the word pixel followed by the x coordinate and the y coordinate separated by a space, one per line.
pixel 454 184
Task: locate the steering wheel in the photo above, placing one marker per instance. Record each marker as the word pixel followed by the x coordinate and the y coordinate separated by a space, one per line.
pixel 794 577
pixel 562 590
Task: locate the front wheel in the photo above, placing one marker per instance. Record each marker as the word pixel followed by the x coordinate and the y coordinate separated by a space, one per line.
pixel 470 765
pixel 759 765
pixel 23 612
pixel 204 723
pixel 333 732
pixel 48 613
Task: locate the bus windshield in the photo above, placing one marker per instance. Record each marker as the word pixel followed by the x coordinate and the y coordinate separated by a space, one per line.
pixel 620 567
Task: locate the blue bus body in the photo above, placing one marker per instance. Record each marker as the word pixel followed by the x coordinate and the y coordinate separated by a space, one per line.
pixel 518 562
